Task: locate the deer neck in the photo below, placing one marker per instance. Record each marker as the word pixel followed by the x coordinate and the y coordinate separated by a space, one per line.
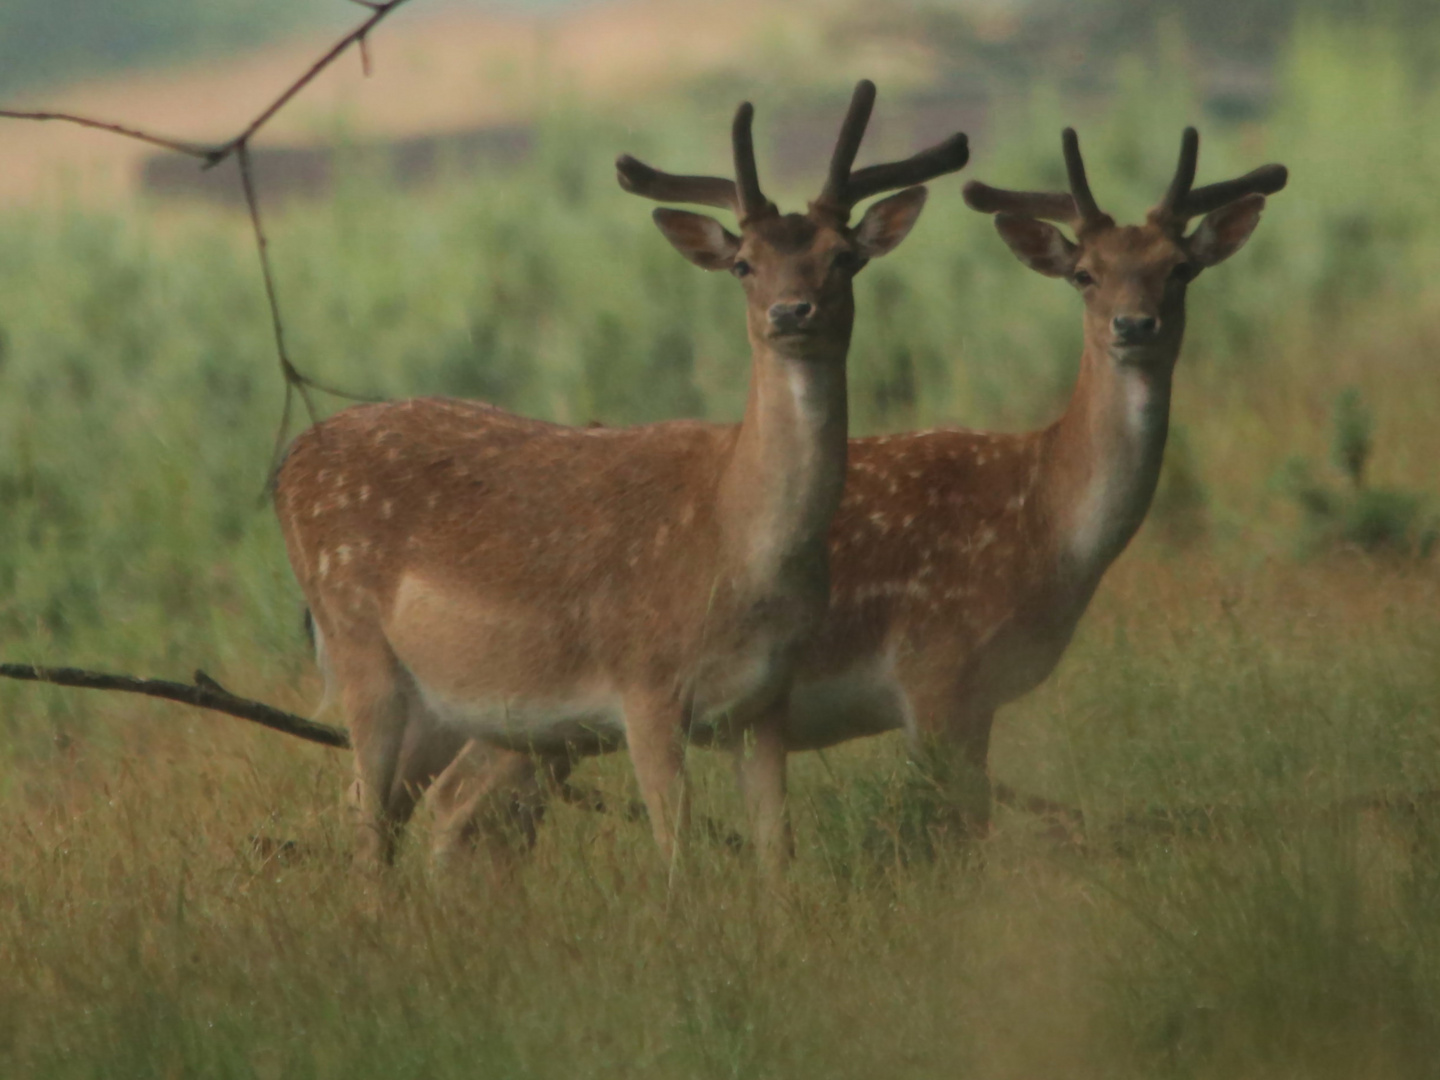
pixel 783 482
pixel 1104 454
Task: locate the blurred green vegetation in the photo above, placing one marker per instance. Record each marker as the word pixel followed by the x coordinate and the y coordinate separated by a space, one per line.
pixel 1357 516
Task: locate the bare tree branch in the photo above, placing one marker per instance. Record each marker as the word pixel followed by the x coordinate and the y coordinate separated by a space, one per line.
pixel 239 147
pixel 205 693
pixel 197 150
pixel 378 13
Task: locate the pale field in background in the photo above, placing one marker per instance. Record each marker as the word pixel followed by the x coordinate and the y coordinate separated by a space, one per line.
pixel 435 71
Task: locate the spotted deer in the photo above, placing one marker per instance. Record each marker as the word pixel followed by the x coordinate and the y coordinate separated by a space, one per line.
pixel 961 561
pixel 494 595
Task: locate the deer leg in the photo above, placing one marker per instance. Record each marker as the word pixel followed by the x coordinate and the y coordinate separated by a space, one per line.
pixel 492 796
pixel 398 749
pixel 965 771
pixel 760 769
pixel 654 730
pixel 374 705
pixel 950 740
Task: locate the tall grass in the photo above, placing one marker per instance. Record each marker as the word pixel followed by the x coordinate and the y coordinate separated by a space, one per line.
pixel 1244 903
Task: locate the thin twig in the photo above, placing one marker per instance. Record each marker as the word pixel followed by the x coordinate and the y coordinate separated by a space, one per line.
pixel 196 150
pixel 239 147
pixel 379 12
pixel 294 381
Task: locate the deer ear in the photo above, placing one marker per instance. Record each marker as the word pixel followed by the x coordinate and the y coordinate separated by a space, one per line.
pixel 1223 232
pixel 702 240
pixel 888 222
pixel 1038 244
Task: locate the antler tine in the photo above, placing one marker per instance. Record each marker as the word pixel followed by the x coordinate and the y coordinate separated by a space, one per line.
pixel 640 179
pixel 1184 178
pixel 836 192
pixel 1050 205
pixel 1085 205
pixel 1266 180
pixel 751 202
pixel 942 158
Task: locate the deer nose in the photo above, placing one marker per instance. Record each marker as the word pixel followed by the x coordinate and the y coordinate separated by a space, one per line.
pixel 791 315
pixel 1133 329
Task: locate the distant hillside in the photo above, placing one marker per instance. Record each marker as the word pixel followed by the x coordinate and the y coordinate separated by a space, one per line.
pixel 438 67
pixel 199 69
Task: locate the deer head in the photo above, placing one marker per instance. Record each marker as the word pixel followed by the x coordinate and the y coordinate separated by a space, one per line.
pixel 1132 277
pixel 797 269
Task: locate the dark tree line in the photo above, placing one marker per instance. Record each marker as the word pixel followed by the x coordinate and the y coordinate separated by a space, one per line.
pixel 55 41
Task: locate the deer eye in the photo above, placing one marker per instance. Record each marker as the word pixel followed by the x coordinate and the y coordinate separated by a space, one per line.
pixel 741 268
pixel 1083 278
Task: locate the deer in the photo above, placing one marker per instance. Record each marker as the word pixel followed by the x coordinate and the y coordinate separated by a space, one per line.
pixel 496 596
pixel 961 561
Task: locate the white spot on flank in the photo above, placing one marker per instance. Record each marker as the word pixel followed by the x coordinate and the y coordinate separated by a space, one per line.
pixel 888 590
pixel 387 509
pixel 344 554
pixel 365 494
pixel 324 565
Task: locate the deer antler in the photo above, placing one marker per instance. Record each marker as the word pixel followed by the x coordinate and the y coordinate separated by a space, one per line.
pixel 1089 212
pixel 750 199
pixel 1184 178
pixel 1077 209
pixel 835 195
pixel 1180 203
pixel 842 191
pixel 742 195
pixel 942 158
pixel 640 179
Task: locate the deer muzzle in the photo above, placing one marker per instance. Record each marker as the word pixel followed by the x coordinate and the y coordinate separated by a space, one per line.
pixel 792 317
pixel 1135 329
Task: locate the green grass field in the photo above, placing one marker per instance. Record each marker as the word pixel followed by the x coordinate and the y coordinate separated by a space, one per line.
pixel 1253 735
